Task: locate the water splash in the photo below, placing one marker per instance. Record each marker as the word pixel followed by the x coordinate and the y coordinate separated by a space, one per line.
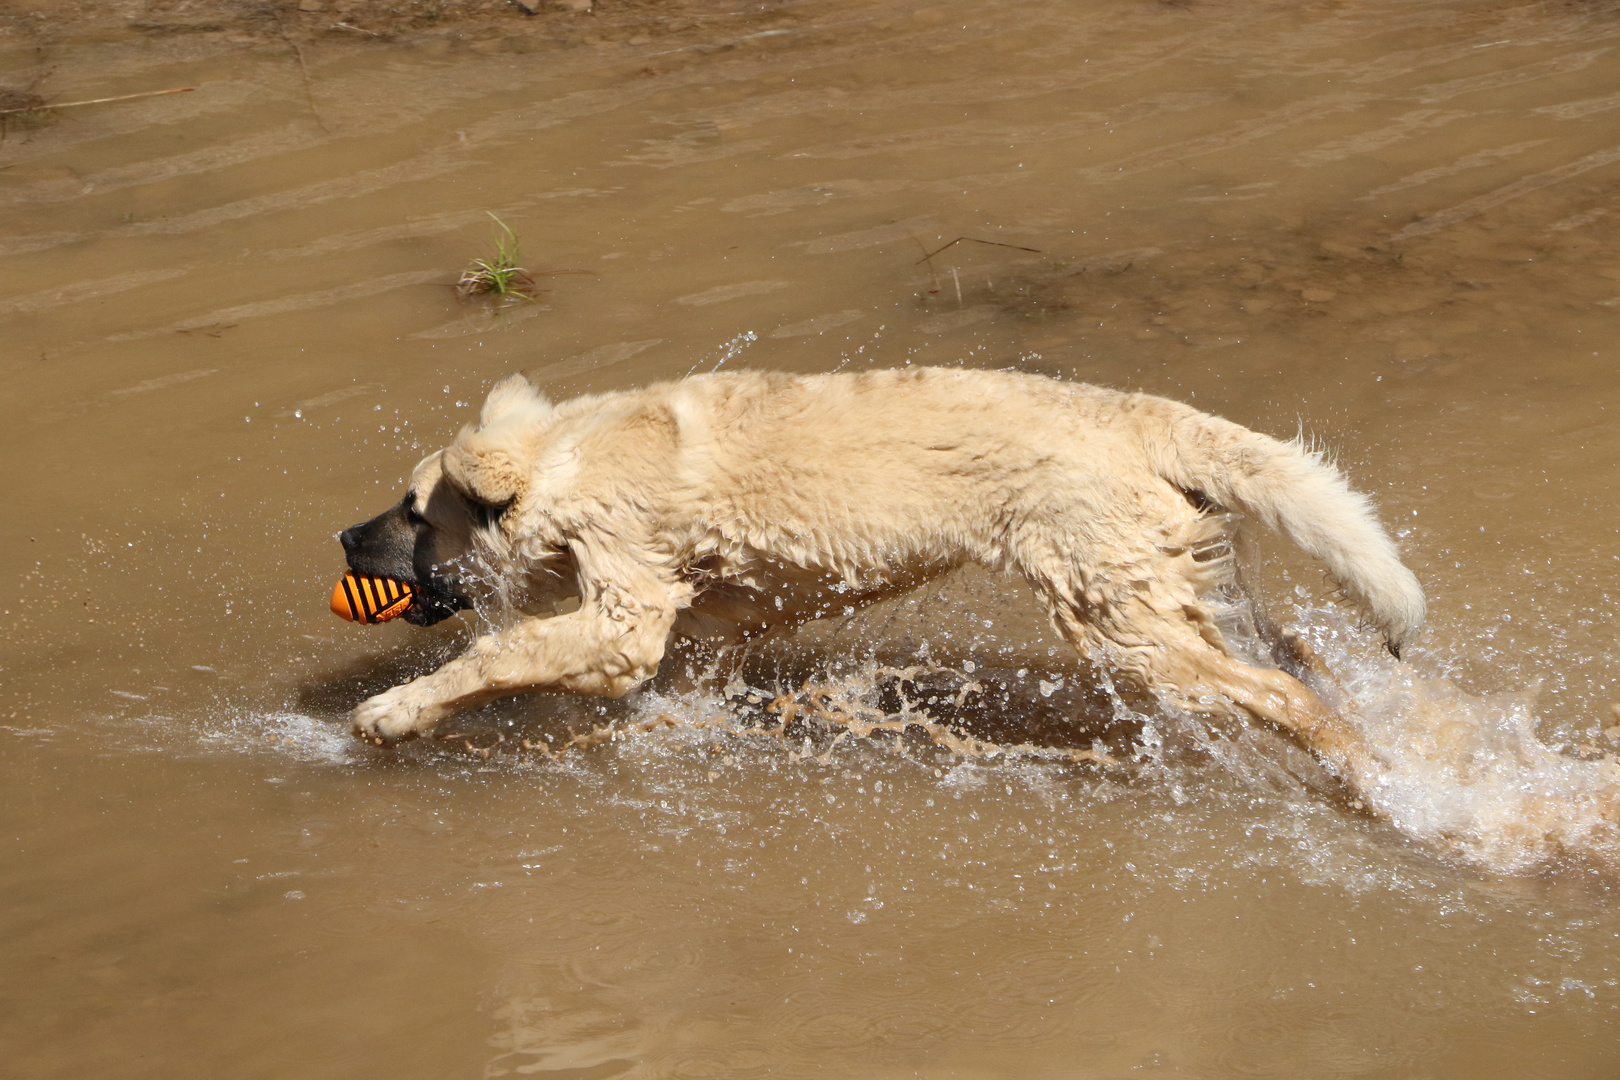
pixel 1469 773
pixel 290 734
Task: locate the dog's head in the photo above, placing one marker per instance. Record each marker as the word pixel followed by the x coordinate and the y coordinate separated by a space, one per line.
pixel 419 540
pixel 455 497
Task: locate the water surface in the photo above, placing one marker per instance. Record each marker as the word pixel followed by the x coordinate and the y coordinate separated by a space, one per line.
pixel 228 329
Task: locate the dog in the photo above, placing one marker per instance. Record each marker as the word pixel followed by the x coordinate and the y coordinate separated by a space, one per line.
pixel 723 506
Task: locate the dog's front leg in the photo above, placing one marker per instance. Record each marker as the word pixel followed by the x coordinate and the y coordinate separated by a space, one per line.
pixel 603 648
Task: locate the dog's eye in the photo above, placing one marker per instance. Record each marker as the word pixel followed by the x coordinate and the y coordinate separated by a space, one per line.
pixel 412 516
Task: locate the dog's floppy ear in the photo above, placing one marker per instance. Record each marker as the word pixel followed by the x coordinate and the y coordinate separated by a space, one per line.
pixel 513 394
pixel 490 474
pixel 488 462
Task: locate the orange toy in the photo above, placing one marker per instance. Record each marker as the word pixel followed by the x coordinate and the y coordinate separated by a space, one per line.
pixel 370 599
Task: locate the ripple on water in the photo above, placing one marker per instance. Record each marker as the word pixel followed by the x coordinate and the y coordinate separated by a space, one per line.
pixel 291 734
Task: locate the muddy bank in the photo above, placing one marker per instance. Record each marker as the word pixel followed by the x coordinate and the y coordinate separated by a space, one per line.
pixel 515 25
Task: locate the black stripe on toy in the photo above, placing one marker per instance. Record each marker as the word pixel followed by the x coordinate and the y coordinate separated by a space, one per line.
pixel 373 598
pixel 350 590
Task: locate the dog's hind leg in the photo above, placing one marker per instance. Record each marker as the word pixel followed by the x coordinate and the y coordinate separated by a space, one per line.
pixel 1132 600
pixel 1177 657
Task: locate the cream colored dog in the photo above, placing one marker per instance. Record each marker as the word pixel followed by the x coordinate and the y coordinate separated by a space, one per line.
pixel 728 504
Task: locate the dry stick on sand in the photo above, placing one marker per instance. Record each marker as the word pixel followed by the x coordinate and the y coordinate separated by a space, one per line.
pixel 97 101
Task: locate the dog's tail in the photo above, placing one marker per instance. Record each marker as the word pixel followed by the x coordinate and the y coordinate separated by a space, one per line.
pixel 1298 493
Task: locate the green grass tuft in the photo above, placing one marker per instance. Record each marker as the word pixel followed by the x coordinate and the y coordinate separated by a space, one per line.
pixel 500 276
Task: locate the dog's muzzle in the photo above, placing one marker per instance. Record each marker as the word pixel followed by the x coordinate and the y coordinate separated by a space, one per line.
pixel 434 604
pixel 372 549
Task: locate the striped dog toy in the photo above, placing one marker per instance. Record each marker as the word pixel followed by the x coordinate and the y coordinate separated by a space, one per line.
pixel 364 599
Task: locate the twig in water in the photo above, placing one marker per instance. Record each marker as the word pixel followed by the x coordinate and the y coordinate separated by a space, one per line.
pixel 928 257
pixel 96 101
pixel 933 278
pixel 974 239
pixel 303 69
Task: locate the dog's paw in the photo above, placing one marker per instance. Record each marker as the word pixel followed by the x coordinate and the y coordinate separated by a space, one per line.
pixel 394 714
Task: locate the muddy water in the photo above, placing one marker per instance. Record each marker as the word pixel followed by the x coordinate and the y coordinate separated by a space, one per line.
pixel 227 330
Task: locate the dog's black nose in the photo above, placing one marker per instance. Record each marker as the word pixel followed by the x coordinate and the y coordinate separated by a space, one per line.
pixel 350 538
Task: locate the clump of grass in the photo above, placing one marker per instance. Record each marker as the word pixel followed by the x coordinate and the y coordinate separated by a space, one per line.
pixel 500 276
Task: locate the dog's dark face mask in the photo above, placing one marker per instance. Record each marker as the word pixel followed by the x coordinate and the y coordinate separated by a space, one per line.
pixel 418 541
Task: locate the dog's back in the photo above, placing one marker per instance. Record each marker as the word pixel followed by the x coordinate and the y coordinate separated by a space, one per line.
pixel 945 465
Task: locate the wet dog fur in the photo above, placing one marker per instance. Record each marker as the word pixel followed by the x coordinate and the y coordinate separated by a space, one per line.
pixel 722 506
